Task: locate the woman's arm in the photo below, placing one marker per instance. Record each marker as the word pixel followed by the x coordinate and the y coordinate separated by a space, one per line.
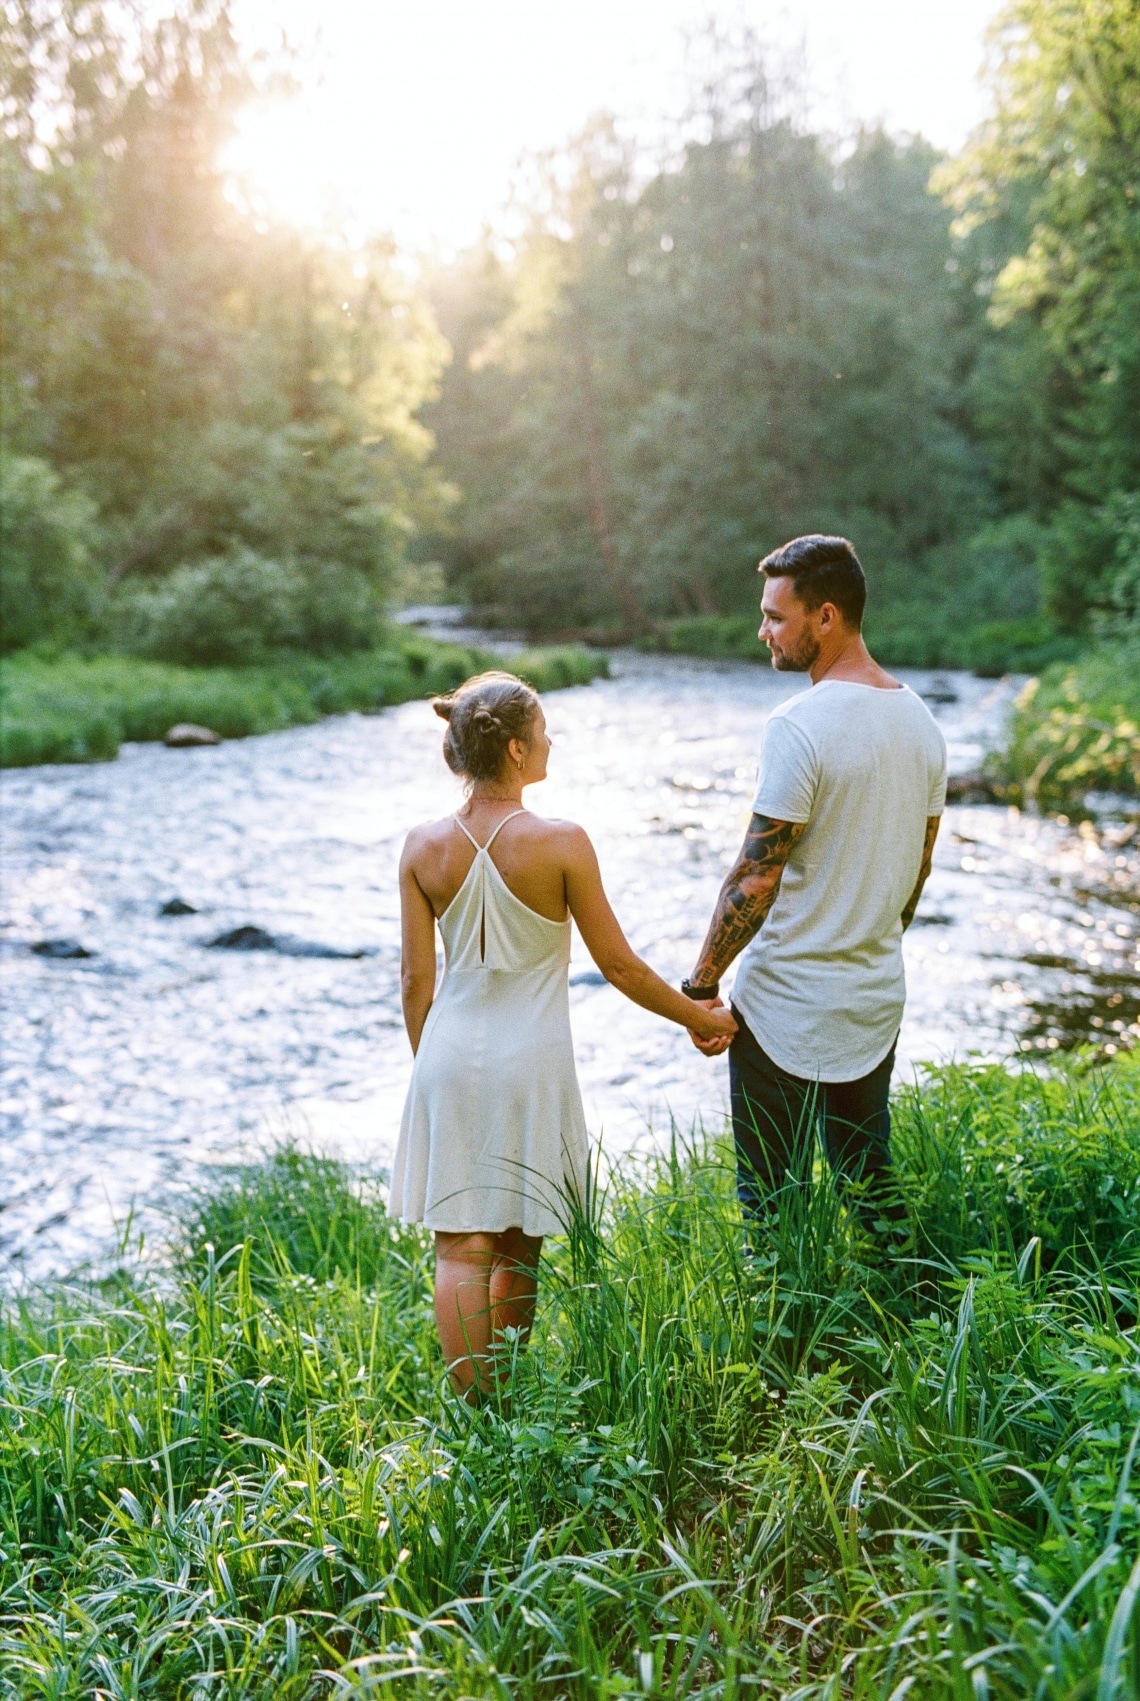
pixel 614 955
pixel 417 951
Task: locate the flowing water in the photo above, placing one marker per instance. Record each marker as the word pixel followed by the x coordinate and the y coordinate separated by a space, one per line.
pixel 126 1070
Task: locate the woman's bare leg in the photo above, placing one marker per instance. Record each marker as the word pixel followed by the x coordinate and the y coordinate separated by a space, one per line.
pixel 484 1283
pixel 514 1281
pixel 463 1306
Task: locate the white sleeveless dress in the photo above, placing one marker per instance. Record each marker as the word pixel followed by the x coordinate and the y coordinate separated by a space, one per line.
pixel 493 1134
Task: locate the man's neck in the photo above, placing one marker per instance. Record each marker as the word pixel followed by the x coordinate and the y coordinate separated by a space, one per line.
pixel 847 658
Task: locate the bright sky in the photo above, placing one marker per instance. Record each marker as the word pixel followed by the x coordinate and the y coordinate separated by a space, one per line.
pixel 414 114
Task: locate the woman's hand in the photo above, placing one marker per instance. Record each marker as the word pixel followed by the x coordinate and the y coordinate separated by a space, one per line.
pixel 713 1027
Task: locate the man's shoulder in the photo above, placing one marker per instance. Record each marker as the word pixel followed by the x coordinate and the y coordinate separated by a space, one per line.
pixel 795 711
pixel 828 718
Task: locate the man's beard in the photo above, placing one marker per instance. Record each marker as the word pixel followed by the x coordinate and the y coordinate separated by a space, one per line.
pixel 801 659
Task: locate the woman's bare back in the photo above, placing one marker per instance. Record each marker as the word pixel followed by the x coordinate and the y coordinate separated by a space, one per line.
pixel 530 853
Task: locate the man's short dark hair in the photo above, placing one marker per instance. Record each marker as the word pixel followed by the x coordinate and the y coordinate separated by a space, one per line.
pixel 824 569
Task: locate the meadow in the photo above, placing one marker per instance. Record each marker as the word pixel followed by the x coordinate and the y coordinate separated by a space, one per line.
pixel 76 708
pixel 812 1466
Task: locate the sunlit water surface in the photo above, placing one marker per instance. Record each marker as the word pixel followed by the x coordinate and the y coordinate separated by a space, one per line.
pixel 123 1073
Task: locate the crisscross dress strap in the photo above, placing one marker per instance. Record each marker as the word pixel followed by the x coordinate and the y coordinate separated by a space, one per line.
pixel 491 840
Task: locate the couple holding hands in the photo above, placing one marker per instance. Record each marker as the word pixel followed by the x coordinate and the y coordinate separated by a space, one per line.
pixel 493 1141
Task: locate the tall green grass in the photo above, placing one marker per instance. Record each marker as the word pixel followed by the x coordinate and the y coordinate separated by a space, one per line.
pixel 808 1467
pixel 80 709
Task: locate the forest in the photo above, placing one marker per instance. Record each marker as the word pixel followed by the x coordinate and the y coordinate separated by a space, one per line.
pixel 227 441
pixel 937 357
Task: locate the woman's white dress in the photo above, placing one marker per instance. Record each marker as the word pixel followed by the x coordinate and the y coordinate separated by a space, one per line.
pixel 493 1134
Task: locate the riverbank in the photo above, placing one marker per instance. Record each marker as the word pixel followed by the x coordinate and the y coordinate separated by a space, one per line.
pixel 820 1469
pixel 1076 730
pixel 81 709
pixel 990 650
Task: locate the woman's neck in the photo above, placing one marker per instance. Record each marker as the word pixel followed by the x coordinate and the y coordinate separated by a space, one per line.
pixel 496 792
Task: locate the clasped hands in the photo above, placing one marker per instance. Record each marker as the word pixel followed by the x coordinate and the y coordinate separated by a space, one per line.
pixel 721 1041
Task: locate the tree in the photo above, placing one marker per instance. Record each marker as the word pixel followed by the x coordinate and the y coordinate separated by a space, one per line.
pixel 220 389
pixel 670 376
pixel 1058 167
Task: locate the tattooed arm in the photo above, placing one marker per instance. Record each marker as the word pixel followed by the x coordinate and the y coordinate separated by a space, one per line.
pixel 747 894
pixel 932 824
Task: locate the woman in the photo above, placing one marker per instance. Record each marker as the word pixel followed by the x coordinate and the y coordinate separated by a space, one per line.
pixel 493 1144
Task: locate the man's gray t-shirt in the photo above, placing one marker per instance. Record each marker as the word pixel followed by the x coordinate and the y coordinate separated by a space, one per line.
pixel 822 985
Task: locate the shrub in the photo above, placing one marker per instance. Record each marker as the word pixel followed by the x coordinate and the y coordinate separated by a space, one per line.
pixel 47 582
pixel 1077 729
pixel 240 608
pixel 1024 645
pixel 729 637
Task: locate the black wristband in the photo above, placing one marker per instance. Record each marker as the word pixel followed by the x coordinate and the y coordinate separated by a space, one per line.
pixel 700 993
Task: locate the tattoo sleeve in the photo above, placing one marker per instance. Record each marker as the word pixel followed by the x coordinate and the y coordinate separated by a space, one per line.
pixel 932 824
pixel 747 894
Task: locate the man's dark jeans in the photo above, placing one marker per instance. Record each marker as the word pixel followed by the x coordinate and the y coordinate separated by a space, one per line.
pixel 775 1116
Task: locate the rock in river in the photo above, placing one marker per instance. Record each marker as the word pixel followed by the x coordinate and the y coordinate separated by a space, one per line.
pixel 187 736
pixel 177 906
pixel 61 949
pixel 250 938
pixel 247 938
pixel 971 788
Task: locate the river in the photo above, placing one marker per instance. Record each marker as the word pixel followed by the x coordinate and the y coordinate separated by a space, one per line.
pixel 127 1070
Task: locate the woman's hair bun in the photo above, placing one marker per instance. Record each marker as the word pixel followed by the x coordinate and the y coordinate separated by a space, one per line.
pixel 483 716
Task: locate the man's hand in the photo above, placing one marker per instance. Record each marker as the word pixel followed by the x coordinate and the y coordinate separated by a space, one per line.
pixel 710 1047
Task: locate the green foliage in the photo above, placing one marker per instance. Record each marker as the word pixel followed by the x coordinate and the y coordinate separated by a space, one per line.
pixel 1121 617
pixel 79 709
pixel 239 608
pixel 74 709
pixel 234 608
pixel 730 637
pixel 717 1469
pixel 1055 170
pixel 1011 646
pixel 669 377
pixel 1077 730
pixel 299 1213
pixel 994 1158
pixel 47 586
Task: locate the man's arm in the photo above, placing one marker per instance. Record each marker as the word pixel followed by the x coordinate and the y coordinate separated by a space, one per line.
pixel 747 895
pixel 932 824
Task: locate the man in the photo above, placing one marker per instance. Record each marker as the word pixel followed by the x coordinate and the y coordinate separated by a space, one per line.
pixel 851 788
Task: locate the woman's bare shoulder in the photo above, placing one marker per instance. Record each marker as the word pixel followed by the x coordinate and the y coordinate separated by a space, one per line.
pixel 428 836
pixel 564 838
